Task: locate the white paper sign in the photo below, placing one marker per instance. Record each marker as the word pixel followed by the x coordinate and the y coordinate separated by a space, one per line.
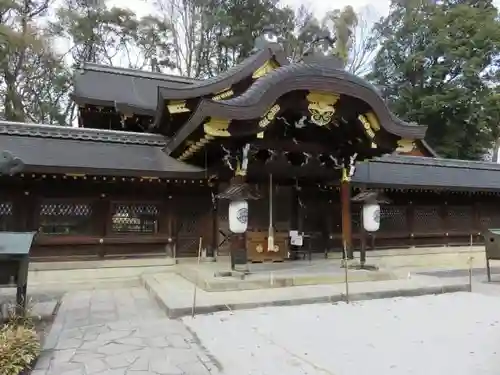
pixel 297 240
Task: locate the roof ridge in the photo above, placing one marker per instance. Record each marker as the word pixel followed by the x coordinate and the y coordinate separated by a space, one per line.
pixel 137 73
pixel 436 161
pixel 82 134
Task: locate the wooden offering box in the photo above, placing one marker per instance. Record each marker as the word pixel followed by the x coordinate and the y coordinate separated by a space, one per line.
pixel 257 247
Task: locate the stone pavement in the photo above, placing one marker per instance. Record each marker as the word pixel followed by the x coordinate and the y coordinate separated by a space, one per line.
pixel 119 332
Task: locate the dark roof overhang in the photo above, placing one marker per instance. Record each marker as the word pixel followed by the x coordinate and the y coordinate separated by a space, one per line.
pixel 413 172
pixel 120 88
pixel 320 76
pixel 48 149
pixel 228 78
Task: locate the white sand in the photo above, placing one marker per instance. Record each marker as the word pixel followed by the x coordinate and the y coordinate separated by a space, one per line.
pixel 455 334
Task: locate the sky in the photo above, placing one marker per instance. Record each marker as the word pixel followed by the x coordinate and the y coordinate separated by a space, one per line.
pixel 378 8
pixel 320 7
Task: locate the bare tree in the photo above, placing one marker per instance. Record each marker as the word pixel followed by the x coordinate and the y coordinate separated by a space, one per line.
pixel 355 44
pixel 210 36
pixel 363 45
pixel 185 20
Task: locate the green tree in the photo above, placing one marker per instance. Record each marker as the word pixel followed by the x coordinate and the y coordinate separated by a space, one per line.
pixel 305 27
pixel 436 66
pixel 96 33
pixel 93 33
pixel 342 22
pixel 31 88
pixel 154 45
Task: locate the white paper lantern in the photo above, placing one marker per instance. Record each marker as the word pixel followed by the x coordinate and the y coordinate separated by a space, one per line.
pixel 238 216
pixel 371 217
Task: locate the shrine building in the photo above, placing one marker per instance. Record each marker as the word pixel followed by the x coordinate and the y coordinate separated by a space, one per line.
pixel 157 158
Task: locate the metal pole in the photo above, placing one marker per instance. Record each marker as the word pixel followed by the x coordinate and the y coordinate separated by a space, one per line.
pixel 196 279
pixel 270 240
pixel 345 274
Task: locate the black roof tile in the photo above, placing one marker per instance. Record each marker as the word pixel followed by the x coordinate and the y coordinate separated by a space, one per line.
pixel 52 149
pixel 424 172
pixel 110 87
pixel 47 148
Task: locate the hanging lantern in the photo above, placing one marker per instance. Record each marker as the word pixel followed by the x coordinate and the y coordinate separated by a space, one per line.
pixel 371 217
pixel 238 216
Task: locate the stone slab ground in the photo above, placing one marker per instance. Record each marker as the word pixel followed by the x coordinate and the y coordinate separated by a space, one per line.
pixel 119 332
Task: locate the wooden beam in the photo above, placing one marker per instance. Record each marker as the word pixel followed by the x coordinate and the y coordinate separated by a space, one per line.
pixel 291 146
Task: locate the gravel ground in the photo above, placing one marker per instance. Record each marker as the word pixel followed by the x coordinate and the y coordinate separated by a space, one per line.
pixel 431 335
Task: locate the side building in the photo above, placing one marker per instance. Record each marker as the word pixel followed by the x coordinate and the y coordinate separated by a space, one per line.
pixel 99 193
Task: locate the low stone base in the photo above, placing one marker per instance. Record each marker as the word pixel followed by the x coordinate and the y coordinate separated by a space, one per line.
pixel 423 257
pixel 330 273
pixel 235 274
pixel 175 294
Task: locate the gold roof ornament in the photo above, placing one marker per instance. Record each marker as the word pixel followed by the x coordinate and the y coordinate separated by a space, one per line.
pixel 321 107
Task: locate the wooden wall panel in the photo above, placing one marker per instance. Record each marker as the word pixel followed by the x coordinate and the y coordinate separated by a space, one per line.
pixel 414 218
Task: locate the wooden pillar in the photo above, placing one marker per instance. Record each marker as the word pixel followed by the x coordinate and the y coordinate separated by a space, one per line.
pixel 294 218
pixel 294 209
pixel 410 220
pixel 102 222
pixel 214 223
pixel 166 225
pixel 345 202
pixel 172 226
pixel 476 222
pixel 26 212
pixel 327 240
pixel 445 223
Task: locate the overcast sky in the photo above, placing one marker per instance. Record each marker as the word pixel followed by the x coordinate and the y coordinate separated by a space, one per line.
pixel 320 7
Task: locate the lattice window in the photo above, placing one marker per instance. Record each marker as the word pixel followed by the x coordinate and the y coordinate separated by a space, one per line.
pixel 65 218
pixel 6 216
pixel 393 218
pixel 134 218
pixel 460 218
pixel 427 219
